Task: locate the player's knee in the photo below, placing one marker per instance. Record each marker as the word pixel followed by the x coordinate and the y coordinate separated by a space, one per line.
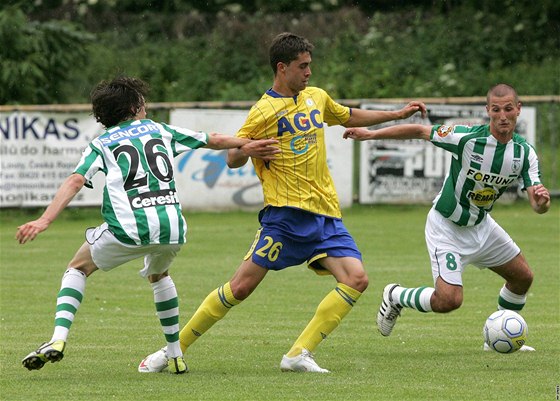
pixel 240 291
pixel 360 281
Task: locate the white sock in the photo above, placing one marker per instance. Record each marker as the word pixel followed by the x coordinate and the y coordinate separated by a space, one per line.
pixel 417 298
pixel 68 301
pixel 167 306
pixel 510 300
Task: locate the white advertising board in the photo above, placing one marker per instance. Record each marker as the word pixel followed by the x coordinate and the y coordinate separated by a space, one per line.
pixel 38 151
pixel 412 171
pixel 205 182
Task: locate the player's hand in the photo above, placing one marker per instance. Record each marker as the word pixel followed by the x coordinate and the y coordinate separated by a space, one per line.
pixel 539 198
pixel 358 134
pixel 412 108
pixel 28 231
pixel 542 195
pixel 265 149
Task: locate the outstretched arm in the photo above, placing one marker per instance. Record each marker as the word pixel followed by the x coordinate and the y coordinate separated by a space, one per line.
pixel 400 131
pixel 539 198
pixel 221 141
pixel 362 118
pixel 66 192
pixel 265 149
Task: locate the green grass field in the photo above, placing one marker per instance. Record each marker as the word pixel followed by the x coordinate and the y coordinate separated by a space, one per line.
pixel 428 357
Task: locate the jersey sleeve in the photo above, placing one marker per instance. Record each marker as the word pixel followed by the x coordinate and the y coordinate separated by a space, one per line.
pixel 452 137
pixel 530 175
pixel 90 163
pixel 253 124
pixel 184 139
pixel 335 113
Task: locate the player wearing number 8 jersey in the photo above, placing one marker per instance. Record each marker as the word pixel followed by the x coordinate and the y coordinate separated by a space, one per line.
pixel 301 221
pixel 485 161
pixel 140 207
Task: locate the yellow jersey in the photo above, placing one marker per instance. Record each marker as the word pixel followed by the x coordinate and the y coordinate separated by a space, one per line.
pixel 299 177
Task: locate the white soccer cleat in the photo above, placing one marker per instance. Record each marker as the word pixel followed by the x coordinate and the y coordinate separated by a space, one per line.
pixel 388 311
pixel 301 363
pixel 524 348
pixel 154 363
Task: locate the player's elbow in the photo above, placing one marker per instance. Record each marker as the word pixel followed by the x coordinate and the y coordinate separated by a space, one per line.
pixel 236 158
pixel 75 182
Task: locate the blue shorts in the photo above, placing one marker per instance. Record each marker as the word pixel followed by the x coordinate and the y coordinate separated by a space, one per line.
pixel 290 237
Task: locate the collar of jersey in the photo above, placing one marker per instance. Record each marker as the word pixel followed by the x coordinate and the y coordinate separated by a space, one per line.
pixel 273 93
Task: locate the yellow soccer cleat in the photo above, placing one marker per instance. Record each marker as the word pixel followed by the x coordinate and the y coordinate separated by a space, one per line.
pixel 47 352
pixel 177 365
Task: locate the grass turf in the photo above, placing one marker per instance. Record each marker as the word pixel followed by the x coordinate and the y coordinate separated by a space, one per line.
pixel 429 356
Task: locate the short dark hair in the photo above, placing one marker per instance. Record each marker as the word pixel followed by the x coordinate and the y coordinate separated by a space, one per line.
pixel 286 47
pixel 501 90
pixel 118 100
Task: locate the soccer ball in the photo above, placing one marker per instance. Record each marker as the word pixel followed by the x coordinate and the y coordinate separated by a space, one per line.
pixel 505 331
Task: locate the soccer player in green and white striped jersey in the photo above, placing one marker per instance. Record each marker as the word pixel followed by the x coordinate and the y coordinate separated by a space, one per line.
pixel 486 160
pixel 141 210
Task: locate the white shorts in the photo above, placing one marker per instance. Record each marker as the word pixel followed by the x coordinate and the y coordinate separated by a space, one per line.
pixel 108 252
pixel 453 247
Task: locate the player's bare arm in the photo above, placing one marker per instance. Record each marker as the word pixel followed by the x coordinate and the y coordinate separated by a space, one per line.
pixel 265 149
pixel 539 197
pixel 66 192
pixel 361 117
pixel 221 141
pixel 402 131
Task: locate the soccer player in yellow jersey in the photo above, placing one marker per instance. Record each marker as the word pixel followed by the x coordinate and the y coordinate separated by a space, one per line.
pixel 301 220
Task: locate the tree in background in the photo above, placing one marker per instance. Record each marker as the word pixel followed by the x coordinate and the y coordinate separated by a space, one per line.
pixel 36 57
pixel 192 50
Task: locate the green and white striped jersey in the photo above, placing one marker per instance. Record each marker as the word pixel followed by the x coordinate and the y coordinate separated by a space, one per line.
pixel 140 201
pixel 481 170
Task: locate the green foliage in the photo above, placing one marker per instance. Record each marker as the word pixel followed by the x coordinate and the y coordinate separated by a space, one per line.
pixel 35 58
pixel 188 52
pixel 428 356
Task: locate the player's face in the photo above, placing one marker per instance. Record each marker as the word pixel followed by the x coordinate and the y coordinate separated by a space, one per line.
pixel 503 113
pixel 297 73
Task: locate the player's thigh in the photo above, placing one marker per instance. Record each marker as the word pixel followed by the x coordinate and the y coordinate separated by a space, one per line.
pixel 445 246
pixel 158 259
pixel 347 270
pixel 82 260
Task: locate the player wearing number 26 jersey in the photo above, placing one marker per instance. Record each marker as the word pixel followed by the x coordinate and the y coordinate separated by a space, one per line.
pixel 140 201
pixel 300 177
pixel 141 211
pixel 301 219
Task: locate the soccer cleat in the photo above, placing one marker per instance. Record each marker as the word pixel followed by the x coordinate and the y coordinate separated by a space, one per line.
pixel 524 348
pixel 154 363
pixel 301 363
pixel 177 365
pixel 388 311
pixel 47 352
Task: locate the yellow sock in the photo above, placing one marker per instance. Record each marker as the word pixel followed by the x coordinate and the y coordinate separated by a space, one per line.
pixel 330 312
pixel 214 308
